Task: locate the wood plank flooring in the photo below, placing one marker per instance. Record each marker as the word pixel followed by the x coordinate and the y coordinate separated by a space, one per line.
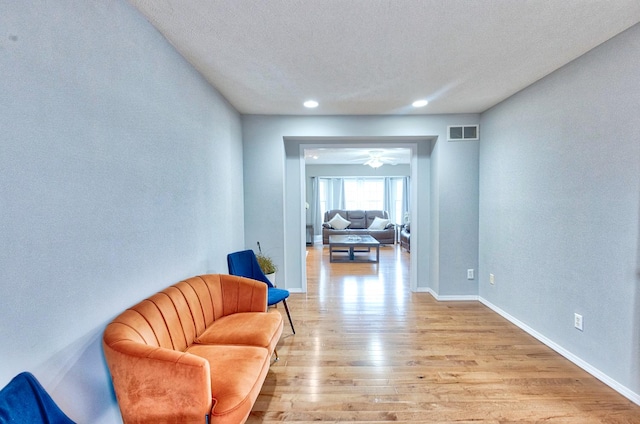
pixel 369 350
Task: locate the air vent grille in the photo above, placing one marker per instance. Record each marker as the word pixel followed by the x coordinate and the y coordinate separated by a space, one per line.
pixel 463 132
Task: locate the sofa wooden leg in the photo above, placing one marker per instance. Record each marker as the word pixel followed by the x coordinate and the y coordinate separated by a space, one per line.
pixel 277 357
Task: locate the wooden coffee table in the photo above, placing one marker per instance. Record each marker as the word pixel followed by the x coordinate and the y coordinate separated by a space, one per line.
pixel 352 245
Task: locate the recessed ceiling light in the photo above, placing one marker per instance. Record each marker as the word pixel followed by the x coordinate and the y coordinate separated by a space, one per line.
pixel 420 103
pixel 310 104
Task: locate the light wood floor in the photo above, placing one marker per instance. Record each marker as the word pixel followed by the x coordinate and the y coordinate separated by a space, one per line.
pixel 367 349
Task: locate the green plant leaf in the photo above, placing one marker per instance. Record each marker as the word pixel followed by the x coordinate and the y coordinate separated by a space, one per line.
pixel 266 264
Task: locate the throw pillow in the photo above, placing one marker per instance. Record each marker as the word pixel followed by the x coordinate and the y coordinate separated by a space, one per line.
pixel 338 222
pixel 379 224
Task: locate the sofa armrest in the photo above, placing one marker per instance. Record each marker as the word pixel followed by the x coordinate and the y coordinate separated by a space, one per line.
pixel 153 383
pixel 240 294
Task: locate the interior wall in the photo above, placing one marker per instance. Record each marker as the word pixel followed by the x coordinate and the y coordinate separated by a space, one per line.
pixel 456 221
pixel 118 177
pixel 559 208
pixel 358 170
pixel 434 224
pixel 270 180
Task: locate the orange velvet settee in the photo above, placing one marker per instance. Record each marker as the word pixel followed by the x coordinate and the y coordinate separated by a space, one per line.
pixel 196 352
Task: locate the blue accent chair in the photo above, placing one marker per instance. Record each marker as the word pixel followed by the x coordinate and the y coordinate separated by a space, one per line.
pixel 25 401
pixel 245 264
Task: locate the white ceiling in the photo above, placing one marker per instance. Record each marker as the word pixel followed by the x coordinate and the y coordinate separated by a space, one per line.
pixel 377 56
pixel 356 156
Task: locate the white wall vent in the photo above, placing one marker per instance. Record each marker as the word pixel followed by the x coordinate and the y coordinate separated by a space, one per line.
pixel 463 132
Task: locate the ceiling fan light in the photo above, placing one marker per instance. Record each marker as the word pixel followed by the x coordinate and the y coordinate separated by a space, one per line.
pixel 374 163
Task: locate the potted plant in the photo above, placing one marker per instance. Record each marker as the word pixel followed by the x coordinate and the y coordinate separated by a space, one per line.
pixel 267 265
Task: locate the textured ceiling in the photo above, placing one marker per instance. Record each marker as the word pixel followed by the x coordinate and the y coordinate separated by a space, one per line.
pixel 377 56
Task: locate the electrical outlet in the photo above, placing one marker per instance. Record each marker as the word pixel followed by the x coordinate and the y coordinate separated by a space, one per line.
pixel 492 279
pixel 470 274
pixel 577 321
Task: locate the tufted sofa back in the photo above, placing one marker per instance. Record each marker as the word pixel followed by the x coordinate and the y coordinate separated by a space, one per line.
pixel 174 317
pixel 359 219
pixel 371 215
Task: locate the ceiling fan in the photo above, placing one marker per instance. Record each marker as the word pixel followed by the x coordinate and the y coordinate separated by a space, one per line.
pixel 377 158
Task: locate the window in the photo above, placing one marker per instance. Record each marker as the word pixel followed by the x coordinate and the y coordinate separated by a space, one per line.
pixel 364 193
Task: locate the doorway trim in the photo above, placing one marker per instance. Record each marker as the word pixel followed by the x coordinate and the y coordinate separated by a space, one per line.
pixel 294 193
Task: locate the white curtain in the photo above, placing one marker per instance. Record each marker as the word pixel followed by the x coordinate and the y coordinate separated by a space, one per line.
pixel 313 217
pixel 390 198
pixel 334 199
pixel 406 200
pixel 336 194
pixel 395 200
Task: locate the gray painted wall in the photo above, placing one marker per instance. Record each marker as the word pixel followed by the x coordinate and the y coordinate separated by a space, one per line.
pixel 118 177
pixel 457 217
pixel 274 193
pixel 400 170
pixel 559 207
pixel 434 223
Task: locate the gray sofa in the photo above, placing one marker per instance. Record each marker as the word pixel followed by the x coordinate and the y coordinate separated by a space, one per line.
pixel 360 223
pixel 405 237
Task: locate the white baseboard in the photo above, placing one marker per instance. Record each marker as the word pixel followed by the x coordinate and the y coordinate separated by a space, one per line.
pixel 623 390
pixel 446 298
pixel 296 290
